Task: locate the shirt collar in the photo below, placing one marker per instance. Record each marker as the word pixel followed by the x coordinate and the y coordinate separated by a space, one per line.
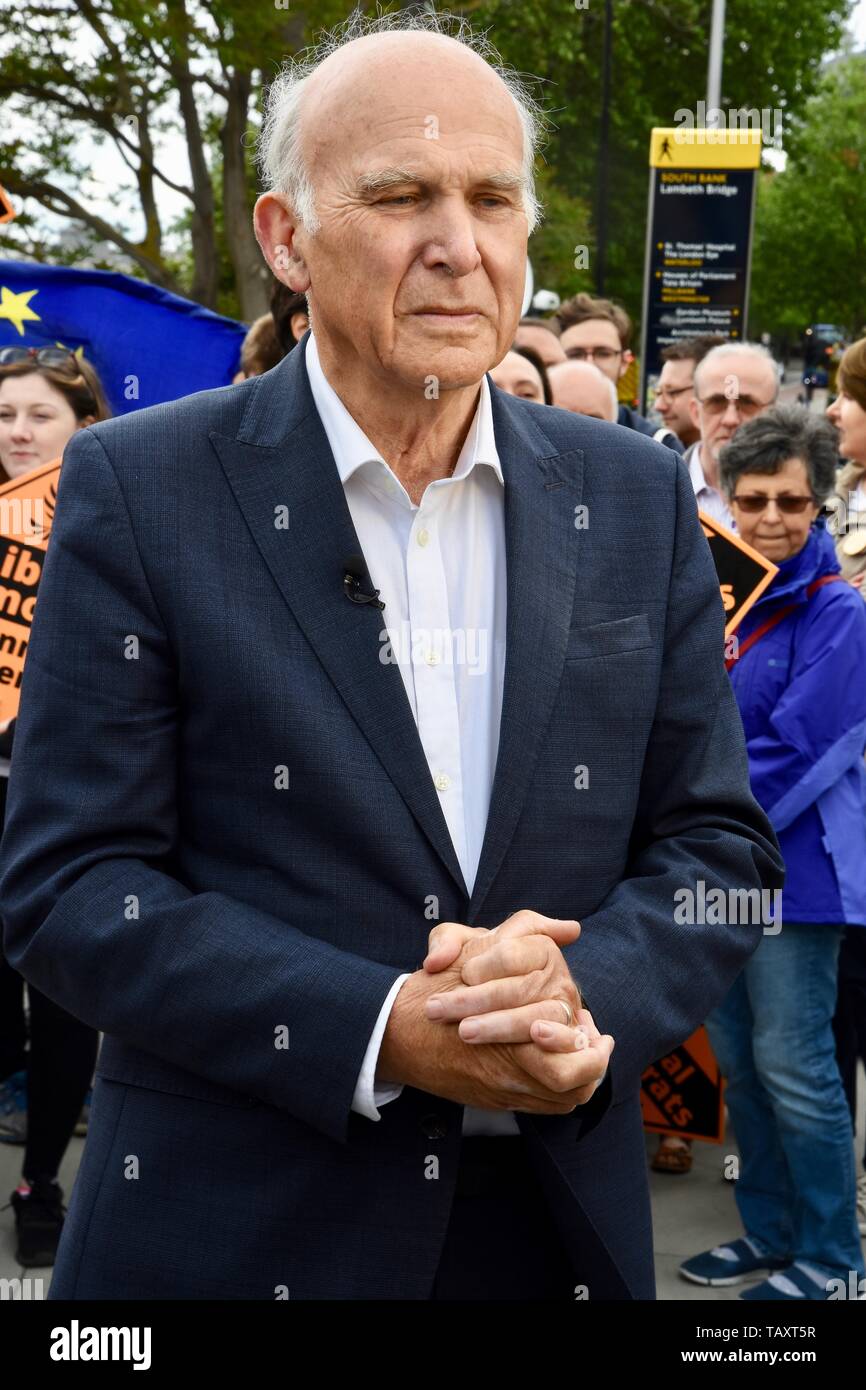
pixel 351 447
pixel 696 472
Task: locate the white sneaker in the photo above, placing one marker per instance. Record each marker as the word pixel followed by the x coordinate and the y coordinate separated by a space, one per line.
pixel 861 1204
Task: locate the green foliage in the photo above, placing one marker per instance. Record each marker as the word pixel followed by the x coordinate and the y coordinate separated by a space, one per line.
pixel 773 55
pixel 808 263
pixel 81 68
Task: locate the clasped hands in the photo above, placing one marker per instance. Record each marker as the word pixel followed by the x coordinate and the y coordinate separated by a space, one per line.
pixel 483 1023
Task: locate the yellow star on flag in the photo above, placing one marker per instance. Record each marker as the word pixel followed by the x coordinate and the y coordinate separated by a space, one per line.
pixel 15 307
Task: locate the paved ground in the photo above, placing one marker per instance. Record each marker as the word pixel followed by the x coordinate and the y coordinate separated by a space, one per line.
pixel 690 1213
pixel 693 1212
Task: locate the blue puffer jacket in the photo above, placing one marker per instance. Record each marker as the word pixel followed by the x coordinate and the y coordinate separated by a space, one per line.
pixel 801 690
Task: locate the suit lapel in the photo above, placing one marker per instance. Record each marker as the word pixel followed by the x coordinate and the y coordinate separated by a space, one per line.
pixel 297 471
pixel 542 489
pixel 281 458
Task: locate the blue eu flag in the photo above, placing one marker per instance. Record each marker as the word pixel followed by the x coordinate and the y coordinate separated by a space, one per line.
pixel 146 344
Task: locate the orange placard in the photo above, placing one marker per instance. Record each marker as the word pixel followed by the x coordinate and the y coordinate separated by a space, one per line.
pixel 743 573
pixel 26 513
pixel 7 212
pixel 683 1092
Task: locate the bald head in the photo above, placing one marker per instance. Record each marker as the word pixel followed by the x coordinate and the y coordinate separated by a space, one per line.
pixel 411 246
pixel 581 388
pixel 364 53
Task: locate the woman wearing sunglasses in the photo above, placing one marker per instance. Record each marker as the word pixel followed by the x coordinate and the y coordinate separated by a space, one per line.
pixel 800 686
pixel 46 394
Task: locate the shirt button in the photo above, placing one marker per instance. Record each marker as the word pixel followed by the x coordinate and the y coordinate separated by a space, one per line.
pixel 433 1126
pixel 432 658
pixel 423 537
pixel 442 781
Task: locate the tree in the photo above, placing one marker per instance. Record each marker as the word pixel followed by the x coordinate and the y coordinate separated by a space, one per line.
pixel 127 73
pixel 131 71
pixel 808 264
pixel 773 58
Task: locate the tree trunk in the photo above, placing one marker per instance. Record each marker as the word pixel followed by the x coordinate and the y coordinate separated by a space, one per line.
pixel 252 274
pixel 203 230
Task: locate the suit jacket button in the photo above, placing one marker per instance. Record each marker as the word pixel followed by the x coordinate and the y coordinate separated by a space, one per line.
pixel 433 1126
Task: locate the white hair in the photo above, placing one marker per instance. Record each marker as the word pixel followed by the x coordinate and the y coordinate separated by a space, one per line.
pixel 279 144
pixel 732 349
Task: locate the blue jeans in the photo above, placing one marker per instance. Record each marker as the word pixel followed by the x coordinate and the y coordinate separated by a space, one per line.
pixel 773 1039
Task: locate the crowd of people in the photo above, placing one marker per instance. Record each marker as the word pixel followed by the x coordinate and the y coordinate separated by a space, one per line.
pixel 791 485
pixel 790 1032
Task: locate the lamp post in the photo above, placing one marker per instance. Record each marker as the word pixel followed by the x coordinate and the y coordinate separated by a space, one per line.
pixel 714 65
pixel 603 141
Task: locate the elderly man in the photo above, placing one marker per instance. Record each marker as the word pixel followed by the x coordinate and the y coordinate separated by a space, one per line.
pixel 267 792
pixel 599 331
pixel 582 388
pixel 676 384
pixel 732 383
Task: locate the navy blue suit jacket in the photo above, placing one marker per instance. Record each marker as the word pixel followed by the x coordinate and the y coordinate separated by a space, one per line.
pixel 162 884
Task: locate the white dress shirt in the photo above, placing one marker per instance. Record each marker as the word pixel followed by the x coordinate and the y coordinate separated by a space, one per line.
pixel 440 570
pixel 709 499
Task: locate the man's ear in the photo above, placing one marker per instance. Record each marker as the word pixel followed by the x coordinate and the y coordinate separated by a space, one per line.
pixel 626 361
pixel 275 227
pixel 695 413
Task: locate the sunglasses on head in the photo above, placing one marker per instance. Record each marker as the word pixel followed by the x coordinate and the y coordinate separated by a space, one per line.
pixel 757 502
pixel 43 357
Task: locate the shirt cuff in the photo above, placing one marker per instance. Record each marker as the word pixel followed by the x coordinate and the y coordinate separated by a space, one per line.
pixel 368 1096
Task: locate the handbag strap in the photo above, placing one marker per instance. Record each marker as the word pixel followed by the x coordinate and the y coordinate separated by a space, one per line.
pixel 777 617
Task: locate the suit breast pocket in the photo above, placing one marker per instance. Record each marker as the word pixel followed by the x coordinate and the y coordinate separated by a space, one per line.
pixel 622 635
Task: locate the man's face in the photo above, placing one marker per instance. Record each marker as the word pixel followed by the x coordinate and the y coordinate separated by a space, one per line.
pixel 542 341
pixel 598 340
pixel 673 394
pixel 436 124
pixel 582 389
pixel 734 388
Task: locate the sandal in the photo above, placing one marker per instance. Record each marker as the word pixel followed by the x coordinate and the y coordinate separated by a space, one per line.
pixel 673 1155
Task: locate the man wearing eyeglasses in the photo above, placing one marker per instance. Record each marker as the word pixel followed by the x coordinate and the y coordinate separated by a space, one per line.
pixel 733 383
pixel 676 384
pixel 599 331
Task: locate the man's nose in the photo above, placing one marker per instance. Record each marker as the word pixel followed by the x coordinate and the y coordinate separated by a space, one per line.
pixel 452 238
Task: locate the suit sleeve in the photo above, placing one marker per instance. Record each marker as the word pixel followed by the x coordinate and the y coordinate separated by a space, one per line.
pixel 93 915
pixel 650 980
